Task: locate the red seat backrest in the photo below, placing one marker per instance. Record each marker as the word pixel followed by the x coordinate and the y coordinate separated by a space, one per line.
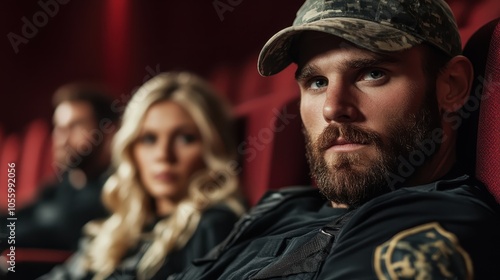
pixel 9 154
pixel 32 160
pixel 483 49
pixel 488 135
pixel 271 146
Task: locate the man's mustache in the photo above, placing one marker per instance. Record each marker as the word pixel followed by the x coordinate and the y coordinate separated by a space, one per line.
pixel 350 133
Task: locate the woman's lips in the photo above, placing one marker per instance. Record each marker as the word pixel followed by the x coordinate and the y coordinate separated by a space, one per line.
pixel 165 176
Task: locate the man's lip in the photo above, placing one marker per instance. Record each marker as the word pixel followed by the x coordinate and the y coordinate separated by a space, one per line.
pixel 342 145
pixel 348 147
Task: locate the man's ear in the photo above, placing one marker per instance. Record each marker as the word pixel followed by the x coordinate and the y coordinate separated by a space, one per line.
pixel 454 83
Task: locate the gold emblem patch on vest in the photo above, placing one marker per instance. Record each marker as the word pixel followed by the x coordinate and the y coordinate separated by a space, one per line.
pixel 424 252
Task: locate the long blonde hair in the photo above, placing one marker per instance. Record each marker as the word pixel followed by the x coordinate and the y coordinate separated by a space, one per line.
pixel 126 198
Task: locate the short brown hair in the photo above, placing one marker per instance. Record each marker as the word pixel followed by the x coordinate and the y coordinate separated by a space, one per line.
pixel 94 95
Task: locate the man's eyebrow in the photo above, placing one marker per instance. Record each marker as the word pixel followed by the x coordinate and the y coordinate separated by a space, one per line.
pixel 369 62
pixel 304 73
pixel 377 59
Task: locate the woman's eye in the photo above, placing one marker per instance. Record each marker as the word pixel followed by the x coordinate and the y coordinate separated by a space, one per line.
pixel 187 138
pixel 147 139
pixel 373 75
pixel 319 83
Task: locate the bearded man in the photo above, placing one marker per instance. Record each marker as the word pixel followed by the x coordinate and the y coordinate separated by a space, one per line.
pixel 378 81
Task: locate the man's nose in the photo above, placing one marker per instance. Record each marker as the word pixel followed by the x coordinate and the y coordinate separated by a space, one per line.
pixel 341 104
pixel 60 136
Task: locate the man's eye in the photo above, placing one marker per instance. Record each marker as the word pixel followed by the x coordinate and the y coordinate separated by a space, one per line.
pixel 147 139
pixel 373 75
pixel 319 83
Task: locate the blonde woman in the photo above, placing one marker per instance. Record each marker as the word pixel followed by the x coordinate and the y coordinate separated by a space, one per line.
pixel 174 193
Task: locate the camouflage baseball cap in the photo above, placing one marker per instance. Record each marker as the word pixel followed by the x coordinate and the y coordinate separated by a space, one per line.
pixel 376 25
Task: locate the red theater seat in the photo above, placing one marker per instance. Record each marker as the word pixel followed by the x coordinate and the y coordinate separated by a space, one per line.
pixel 32 161
pixel 9 154
pixel 271 145
pixel 488 161
pixel 483 152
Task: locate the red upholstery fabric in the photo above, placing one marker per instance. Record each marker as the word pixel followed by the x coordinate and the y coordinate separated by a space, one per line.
pixel 32 155
pixel 271 143
pixel 9 153
pixel 488 149
pixel 32 162
pixel 473 14
pixel 36 255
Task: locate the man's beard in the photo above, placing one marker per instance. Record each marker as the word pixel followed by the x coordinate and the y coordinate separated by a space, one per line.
pixel 353 178
pixel 86 159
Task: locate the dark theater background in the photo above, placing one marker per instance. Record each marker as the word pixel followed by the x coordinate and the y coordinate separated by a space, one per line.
pixel 119 43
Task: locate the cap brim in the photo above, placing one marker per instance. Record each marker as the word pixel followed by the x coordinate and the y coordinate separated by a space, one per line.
pixel 376 37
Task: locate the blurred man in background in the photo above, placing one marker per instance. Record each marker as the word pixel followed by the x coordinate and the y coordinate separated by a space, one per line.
pixel 84 125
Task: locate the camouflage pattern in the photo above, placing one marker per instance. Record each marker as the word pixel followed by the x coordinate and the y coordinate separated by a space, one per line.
pixel 376 25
